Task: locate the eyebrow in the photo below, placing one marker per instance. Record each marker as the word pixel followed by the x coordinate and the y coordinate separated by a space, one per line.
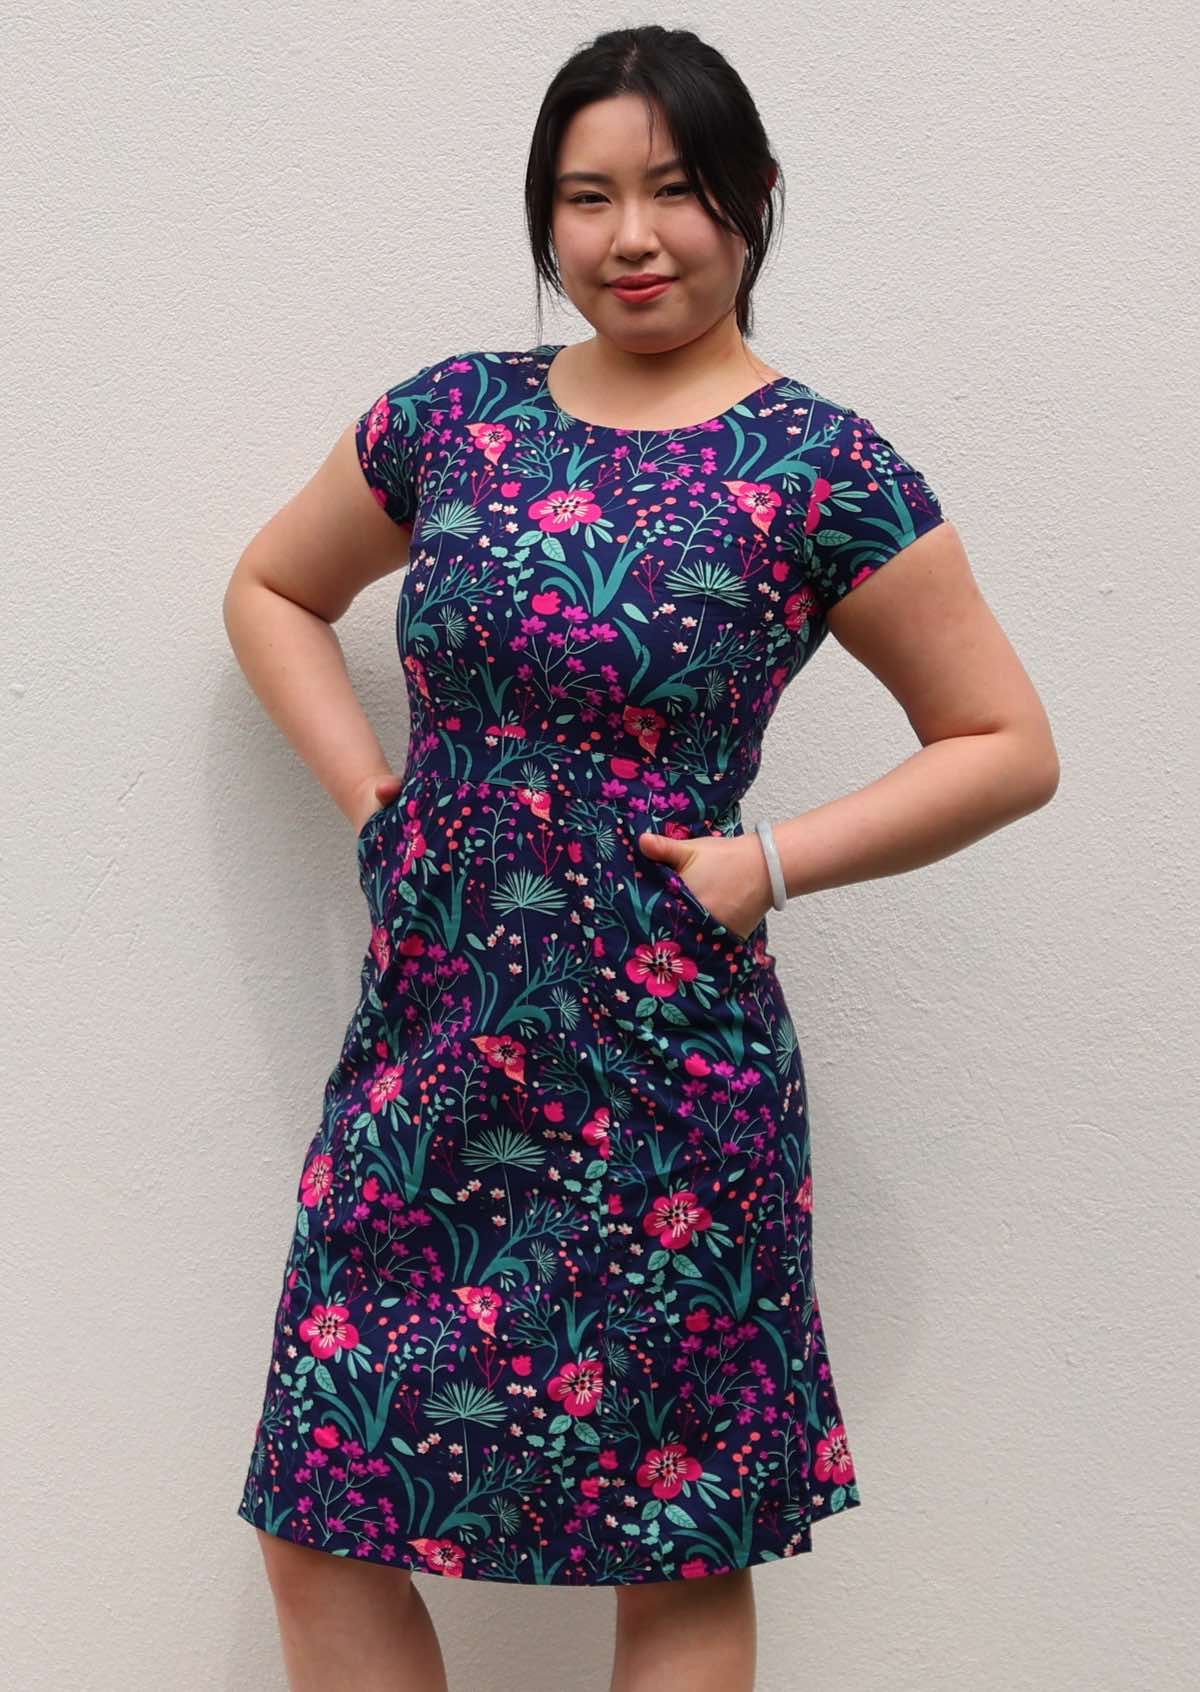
pixel 599 176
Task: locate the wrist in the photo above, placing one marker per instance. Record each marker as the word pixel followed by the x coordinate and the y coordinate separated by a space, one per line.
pixel 773 866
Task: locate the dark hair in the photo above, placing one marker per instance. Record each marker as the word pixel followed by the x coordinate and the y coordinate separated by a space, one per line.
pixel 710 116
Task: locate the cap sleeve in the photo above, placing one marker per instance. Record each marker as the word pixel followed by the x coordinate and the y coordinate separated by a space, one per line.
pixel 389 436
pixel 868 504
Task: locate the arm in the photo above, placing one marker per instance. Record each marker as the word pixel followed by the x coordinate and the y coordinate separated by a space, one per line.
pixel 987 756
pixel 292 582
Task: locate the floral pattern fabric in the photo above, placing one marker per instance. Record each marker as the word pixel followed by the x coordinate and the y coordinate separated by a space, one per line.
pixel 549 1312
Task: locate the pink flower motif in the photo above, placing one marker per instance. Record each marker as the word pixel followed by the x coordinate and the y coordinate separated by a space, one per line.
pixel 798 607
pixel 546 604
pixel 328 1329
pixel 537 798
pixel 416 669
pixel 381 947
pixel 822 488
pixel 833 1460
pixel 804 1196
pixel 503 1052
pixel 384 1086
pixel 317 1180
pixel 596 1130
pixel 483 1303
pixel 644 722
pixel 441 1555
pixel 578 1386
pixel 675 1217
pixel 490 438
pixel 564 508
pixel 665 1469
pixel 377 424
pixel 760 499
pixel 660 966
pixel 328 1436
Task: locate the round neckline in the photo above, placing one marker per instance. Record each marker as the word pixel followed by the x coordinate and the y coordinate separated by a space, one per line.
pixel 569 419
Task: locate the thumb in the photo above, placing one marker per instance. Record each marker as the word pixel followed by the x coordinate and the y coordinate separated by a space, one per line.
pixel 664 847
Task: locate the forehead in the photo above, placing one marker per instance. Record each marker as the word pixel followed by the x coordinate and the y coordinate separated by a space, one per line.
pixel 614 139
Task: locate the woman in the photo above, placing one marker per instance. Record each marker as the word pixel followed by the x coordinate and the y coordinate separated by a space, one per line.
pixel 549 1313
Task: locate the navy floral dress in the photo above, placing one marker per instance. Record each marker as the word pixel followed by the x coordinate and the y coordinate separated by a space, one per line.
pixel 549 1313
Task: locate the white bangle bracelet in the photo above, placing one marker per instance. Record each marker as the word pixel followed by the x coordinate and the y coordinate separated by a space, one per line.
pixel 766 837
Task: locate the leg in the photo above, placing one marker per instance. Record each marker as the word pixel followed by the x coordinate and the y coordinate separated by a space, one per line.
pixel 350 1626
pixel 694 1633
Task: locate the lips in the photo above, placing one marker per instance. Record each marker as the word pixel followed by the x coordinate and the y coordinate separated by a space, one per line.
pixel 630 284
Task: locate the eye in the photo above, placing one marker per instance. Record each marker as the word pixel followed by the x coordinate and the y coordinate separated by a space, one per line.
pixel 581 199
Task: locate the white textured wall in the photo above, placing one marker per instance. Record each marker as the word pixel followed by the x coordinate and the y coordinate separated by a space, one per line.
pixel 224 228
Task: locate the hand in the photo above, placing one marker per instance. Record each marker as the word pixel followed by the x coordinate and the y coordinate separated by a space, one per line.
pixel 728 874
pixel 370 794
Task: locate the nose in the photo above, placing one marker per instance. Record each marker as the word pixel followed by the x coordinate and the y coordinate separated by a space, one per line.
pixel 635 236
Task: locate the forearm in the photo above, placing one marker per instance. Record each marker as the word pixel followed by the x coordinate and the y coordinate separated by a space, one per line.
pixel 294 662
pixel 947 795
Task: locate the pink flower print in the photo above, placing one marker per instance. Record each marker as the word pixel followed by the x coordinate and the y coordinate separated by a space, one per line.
pixel 674 1218
pixel 547 604
pixel 760 499
pixel 503 1052
pixel 697 1321
pixel 665 1469
pixel 490 438
pixel 798 607
pixel 384 1086
pixel 804 1196
pixel 833 1460
pixel 578 1386
pixel 317 1180
pixel 697 1064
pixel 596 1130
pixel 538 800
pixel 377 424
pixel 522 1363
pixel 822 488
pixel 660 966
pixel 328 1329
pixel 381 947
pixel 564 508
pixel 328 1436
pixel 483 1303
pixel 695 1568
pixel 644 722
pixel 441 1555
pixel 416 670
pixel 506 731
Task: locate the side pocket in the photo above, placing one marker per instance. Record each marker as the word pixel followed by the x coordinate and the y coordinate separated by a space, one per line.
pixel 726 938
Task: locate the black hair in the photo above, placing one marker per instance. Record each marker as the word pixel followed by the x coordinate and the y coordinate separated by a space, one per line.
pixel 710 115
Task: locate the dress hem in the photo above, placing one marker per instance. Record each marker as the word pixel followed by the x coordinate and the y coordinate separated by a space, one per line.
pixel 367 1552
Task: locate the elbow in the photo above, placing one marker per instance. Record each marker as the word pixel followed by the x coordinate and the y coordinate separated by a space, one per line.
pixel 1045 782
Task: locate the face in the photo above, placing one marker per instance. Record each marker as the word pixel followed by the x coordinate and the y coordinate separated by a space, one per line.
pixel 642 217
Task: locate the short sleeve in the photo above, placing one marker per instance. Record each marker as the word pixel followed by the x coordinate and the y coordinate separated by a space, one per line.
pixel 868 504
pixel 390 435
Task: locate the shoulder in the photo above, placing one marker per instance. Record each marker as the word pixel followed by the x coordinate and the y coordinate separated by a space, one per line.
pixel 464 376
